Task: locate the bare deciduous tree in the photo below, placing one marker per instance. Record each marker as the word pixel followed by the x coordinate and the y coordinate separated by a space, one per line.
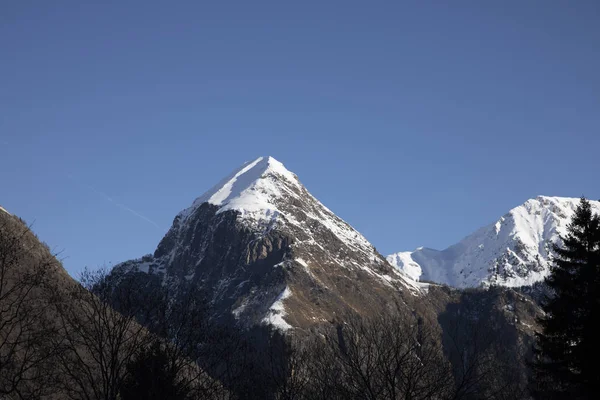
pixel 382 357
pixel 24 327
pixel 486 352
pixel 180 319
pixel 96 342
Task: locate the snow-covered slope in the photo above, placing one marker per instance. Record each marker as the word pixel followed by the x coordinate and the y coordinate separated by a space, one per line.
pixel 270 252
pixel 513 251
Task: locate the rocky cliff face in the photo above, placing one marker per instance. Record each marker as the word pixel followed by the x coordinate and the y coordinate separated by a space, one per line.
pixel 514 251
pixel 266 251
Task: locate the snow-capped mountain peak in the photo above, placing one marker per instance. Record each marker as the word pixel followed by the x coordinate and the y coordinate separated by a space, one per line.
pixel 262 246
pixel 516 250
pixel 252 189
pixel 248 181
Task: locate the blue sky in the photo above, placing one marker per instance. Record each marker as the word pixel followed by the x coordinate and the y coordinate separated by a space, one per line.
pixel 417 122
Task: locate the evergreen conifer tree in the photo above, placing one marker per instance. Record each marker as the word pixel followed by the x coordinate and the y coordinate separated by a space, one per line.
pixel 568 348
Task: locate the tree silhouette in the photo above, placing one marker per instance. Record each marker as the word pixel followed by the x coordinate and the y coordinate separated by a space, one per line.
pixel 568 347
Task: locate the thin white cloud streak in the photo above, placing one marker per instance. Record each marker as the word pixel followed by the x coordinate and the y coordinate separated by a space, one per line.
pixel 116 203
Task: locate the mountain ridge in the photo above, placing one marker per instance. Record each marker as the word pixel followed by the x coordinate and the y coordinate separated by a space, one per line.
pixel 516 250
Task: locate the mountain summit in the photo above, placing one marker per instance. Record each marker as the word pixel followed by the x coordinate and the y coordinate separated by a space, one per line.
pixel 253 190
pixel 265 250
pixel 516 250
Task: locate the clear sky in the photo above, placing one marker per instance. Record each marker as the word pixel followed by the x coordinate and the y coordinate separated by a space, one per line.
pixel 415 121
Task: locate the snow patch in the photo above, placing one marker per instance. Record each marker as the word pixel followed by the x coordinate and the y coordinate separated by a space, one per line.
pixel 277 311
pixel 404 262
pixel 239 310
pixel 143 267
pixel 302 262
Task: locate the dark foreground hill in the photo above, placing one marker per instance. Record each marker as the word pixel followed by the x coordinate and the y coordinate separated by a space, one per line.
pixel 58 340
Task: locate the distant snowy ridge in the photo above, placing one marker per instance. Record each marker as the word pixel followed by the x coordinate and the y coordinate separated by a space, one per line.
pixel 514 251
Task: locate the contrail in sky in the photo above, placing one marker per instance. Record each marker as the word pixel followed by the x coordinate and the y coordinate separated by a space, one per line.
pixel 116 203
